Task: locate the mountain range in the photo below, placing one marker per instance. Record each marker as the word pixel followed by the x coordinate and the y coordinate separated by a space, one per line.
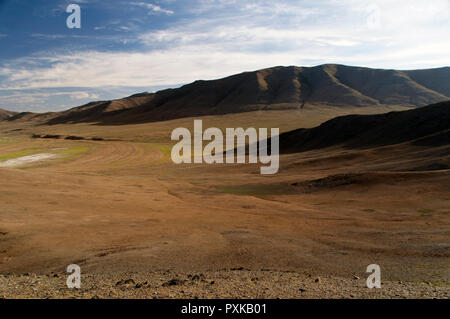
pixel 276 88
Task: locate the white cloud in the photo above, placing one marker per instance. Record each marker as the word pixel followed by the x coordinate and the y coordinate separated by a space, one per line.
pixel 152 7
pixel 153 68
pixel 41 97
pixel 256 34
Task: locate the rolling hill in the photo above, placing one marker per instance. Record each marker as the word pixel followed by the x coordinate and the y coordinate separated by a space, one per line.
pixel 4 114
pixel 276 88
pixel 426 126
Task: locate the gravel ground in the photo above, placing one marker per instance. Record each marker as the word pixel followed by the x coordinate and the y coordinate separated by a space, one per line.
pixel 237 283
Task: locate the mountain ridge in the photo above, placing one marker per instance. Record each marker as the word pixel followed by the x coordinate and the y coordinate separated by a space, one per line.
pixel 275 88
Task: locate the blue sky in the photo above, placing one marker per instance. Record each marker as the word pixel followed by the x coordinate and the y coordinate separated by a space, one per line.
pixel 125 47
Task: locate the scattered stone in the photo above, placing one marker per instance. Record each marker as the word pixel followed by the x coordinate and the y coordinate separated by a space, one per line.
pixel 197 277
pixel 125 282
pixel 317 280
pixel 356 277
pixel 140 285
pixel 173 282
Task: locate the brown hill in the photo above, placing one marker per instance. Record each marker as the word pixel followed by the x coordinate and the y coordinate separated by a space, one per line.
pixel 271 89
pixel 426 126
pixel 102 110
pixel 4 114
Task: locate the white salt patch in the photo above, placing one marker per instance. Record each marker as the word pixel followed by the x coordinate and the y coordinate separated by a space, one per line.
pixel 20 161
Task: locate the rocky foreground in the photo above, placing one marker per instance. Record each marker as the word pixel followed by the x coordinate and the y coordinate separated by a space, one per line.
pixel 236 283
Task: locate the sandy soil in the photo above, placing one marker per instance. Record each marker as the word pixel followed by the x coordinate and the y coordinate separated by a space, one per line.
pixel 121 210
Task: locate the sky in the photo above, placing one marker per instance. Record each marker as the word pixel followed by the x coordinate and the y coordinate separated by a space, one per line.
pixel 125 47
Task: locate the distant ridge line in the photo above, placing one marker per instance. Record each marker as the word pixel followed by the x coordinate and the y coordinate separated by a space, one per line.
pixel 276 88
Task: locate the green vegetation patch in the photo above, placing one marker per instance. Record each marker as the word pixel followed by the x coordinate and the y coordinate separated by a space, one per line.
pixel 18 154
pixel 69 152
pixel 75 150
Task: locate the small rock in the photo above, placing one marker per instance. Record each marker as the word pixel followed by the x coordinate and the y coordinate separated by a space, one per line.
pixel 356 277
pixel 317 280
pixel 197 277
pixel 141 284
pixel 302 290
pixel 173 282
pixel 125 282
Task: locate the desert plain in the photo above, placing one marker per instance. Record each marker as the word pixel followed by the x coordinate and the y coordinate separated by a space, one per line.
pixel 140 226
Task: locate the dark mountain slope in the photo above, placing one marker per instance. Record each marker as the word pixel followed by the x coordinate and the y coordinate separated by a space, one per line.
pixel 428 125
pixel 95 111
pixel 434 79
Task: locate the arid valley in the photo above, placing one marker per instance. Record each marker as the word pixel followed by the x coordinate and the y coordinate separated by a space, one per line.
pixel 110 200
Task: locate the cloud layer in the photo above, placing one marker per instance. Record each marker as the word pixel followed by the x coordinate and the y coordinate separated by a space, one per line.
pixel 215 38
